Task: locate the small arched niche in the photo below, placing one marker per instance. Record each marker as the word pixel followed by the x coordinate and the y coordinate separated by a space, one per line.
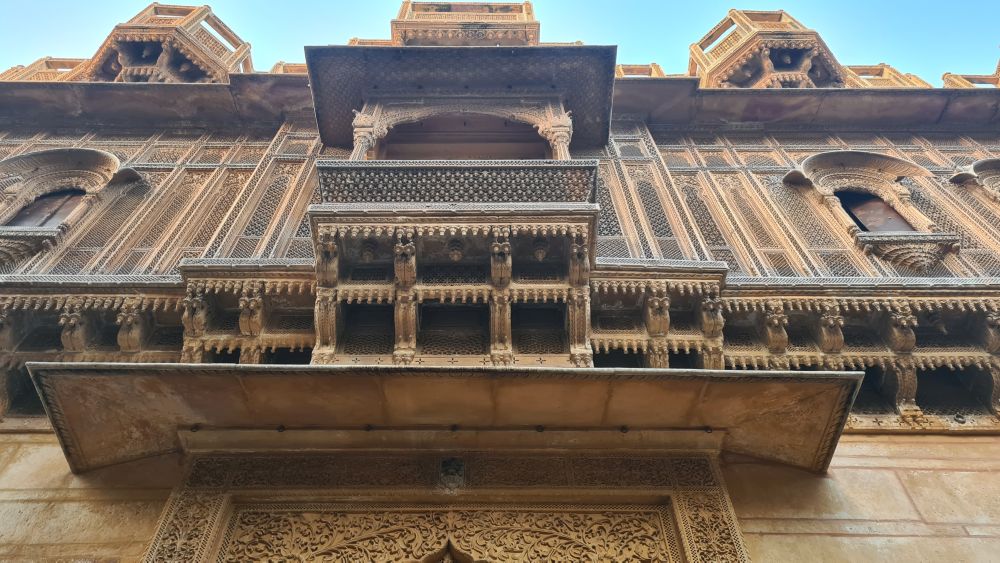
pixel 463 136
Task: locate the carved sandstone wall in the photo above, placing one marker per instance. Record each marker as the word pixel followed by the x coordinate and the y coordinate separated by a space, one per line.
pixel 916 497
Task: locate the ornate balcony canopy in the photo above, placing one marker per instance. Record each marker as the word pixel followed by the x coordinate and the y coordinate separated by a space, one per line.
pixel 343 78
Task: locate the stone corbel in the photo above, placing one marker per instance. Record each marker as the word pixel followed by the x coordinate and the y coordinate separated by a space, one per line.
pixel 405 316
pixel 77 329
pixel 900 387
pixel 578 316
pixel 919 251
pixel 405 262
pixel 195 315
pixel 133 327
pixel 899 325
pixel 501 348
pixel 830 329
pixel 773 328
pixel 327 316
pixel 656 313
pixel 991 332
pixel 579 263
pixel 711 319
pixel 13 327
pixel 251 311
pixel 327 258
pixel 500 262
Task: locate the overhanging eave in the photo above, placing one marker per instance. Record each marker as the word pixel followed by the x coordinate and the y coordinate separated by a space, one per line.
pixel 105 414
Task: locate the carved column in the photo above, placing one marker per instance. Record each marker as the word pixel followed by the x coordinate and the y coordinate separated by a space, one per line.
pixel 774 322
pixel 327 319
pixel 711 358
pixel 558 131
pixel 192 352
pixel 501 346
pixel 579 262
pixel 195 320
pixel 900 387
pixel 578 318
pixel 656 315
pixel 368 129
pixel 133 327
pixel 829 329
pixel 657 354
pixel 405 316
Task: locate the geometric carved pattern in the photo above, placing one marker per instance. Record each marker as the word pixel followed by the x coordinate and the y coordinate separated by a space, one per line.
pixel 490 533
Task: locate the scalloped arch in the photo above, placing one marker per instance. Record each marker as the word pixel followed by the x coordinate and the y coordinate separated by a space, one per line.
pixel 818 165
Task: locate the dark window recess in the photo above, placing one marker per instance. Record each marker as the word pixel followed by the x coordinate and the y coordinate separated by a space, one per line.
pixel 49 210
pixel 870 399
pixel 617 359
pixel 223 357
pixel 683 360
pixel 287 356
pixel 872 214
pixel 24 399
pixel 943 392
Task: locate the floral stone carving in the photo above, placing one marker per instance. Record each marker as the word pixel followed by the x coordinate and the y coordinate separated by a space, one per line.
pixel 919 251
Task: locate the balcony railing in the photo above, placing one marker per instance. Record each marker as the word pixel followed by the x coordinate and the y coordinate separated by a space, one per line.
pixel 458 181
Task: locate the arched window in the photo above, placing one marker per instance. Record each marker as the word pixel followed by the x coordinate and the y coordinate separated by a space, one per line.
pixel 872 214
pixel 48 210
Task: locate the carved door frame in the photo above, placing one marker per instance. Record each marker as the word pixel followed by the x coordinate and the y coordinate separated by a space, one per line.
pixel 687 491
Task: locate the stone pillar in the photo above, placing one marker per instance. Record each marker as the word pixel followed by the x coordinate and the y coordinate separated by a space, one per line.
pixel 578 321
pixel 327 319
pixel 900 387
pixel 501 345
pixel 405 316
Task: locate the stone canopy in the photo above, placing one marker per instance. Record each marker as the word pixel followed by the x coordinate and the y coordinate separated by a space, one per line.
pixel 342 78
pixel 105 414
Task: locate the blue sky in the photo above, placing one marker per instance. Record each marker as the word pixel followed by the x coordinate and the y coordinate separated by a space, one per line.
pixel 923 37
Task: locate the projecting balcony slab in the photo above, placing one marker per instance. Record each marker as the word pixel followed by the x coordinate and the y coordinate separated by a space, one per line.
pixel 110 413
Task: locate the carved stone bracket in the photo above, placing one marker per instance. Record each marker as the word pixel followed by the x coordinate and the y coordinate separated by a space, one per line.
pixel 77 329
pixel 327 258
pixel 656 314
pixel 405 262
pixel 919 251
pixel 251 311
pixel 899 325
pixel 195 315
pixel 774 321
pixel 711 319
pixel 134 327
pixel 17 243
pixel 829 329
pixel 500 261
pixel 991 332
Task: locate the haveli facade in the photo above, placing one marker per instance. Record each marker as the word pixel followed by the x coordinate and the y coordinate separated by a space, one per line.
pixel 462 295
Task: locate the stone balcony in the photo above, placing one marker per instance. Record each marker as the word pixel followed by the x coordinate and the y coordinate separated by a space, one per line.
pixel 457 181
